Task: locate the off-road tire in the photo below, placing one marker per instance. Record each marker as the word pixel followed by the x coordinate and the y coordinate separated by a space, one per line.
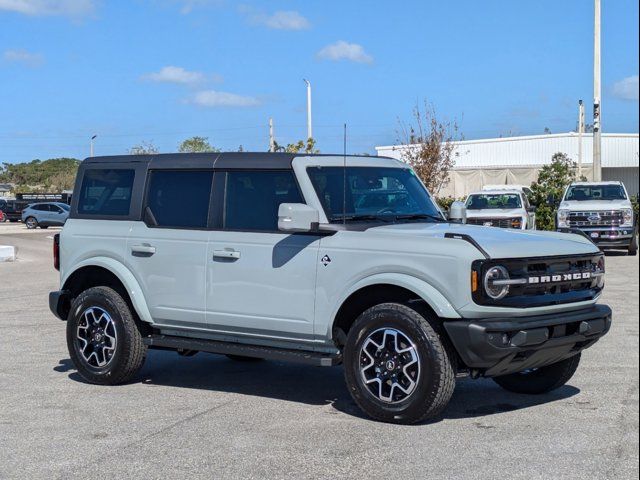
pixel 633 246
pixel 436 378
pixel 541 380
pixel 130 351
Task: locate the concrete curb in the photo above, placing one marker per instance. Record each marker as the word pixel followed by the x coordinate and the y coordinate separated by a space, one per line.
pixel 8 253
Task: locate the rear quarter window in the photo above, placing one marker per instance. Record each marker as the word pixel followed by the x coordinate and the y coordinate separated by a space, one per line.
pixel 106 192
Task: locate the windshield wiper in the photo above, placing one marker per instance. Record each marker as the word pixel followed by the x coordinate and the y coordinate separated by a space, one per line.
pixel 419 216
pixel 350 218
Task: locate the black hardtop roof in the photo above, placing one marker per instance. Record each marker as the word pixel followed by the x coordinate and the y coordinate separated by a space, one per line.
pixel 235 160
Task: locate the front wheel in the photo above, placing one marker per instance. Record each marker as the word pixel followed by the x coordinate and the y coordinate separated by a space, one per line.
pixel 31 223
pixel 396 365
pixel 633 247
pixel 540 380
pixel 103 340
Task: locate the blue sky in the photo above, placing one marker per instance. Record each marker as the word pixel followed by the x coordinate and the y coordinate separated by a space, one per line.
pixel 163 70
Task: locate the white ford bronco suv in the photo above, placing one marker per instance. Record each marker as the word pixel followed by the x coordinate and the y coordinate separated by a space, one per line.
pixel 601 210
pixel 319 259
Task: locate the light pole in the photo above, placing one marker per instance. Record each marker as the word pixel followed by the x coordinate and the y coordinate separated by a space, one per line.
pixel 93 137
pixel 309 128
pixel 597 139
pixel 580 132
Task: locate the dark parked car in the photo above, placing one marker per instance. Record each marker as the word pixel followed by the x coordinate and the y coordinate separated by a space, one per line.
pixel 13 209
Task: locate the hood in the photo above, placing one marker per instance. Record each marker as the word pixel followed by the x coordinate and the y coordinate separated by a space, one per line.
pixel 594 205
pixel 500 242
pixel 496 213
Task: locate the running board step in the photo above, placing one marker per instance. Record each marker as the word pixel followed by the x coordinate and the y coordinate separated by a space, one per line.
pixel 228 348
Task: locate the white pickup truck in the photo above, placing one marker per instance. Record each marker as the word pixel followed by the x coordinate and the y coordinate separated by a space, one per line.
pixel 601 210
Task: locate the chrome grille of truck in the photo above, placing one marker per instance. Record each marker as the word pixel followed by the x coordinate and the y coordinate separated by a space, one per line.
pixel 602 218
pixel 495 222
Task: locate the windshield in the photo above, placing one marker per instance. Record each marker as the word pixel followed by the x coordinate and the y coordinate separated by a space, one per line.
pixel 372 194
pixel 493 201
pixel 64 206
pixel 581 193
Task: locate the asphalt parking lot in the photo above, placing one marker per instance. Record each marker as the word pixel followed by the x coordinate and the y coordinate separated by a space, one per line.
pixel 209 417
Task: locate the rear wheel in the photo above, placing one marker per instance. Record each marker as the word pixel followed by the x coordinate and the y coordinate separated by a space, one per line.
pixel 396 365
pixel 103 340
pixel 31 223
pixel 540 380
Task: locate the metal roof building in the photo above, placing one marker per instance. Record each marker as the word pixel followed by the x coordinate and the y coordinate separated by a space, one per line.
pixel 517 160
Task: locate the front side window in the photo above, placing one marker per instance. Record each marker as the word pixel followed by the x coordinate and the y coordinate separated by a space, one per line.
pixel 106 192
pixel 372 194
pixel 179 198
pixel 252 198
pixel 494 201
pixel 581 193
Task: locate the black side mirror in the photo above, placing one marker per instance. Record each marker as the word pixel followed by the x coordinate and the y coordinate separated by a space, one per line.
pixel 532 209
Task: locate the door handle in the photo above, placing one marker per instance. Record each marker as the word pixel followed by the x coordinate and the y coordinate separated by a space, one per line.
pixel 144 250
pixel 226 254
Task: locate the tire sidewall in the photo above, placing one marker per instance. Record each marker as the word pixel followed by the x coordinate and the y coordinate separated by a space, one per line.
pixel 95 298
pixel 384 317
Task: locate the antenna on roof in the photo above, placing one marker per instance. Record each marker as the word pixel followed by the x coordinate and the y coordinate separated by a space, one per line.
pixel 344 176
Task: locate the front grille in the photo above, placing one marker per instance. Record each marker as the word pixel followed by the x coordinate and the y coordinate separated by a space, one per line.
pixel 557 281
pixel 602 218
pixel 494 222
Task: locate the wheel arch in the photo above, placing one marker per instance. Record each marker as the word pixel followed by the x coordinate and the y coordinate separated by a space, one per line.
pixel 386 288
pixel 104 271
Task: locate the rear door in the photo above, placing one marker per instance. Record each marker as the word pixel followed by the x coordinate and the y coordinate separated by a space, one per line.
pixel 261 282
pixel 167 251
pixel 56 215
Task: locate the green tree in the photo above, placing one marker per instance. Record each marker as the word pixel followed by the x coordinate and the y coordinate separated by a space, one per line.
pixel 53 175
pixel 299 147
pixel 429 146
pixel 196 145
pixel 552 181
pixel 144 148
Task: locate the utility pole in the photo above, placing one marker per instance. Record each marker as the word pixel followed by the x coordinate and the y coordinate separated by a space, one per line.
pixel 93 137
pixel 580 132
pixel 309 129
pixel 597 139
pixel 272 140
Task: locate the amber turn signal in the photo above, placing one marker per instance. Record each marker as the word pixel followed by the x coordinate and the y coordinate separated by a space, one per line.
pixel 474 281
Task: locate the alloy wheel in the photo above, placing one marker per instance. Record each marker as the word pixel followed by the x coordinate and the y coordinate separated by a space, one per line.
pixel 96 337
pixel 389 365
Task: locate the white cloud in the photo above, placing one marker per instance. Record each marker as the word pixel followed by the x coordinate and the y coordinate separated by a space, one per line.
pixel 23 57
pixel 627 88
pixel 68 8
pixel 342 50
pixel 214 98
pixel 280 20
pixel 172 74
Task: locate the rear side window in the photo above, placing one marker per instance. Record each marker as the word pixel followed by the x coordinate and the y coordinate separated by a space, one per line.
pixel 179 199
pixel 106 192
pixel 252 199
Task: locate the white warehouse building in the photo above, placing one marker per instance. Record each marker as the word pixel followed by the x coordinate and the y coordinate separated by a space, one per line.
pixel 517 160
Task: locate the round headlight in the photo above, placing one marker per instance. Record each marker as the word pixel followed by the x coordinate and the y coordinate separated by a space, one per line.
pixel 492 283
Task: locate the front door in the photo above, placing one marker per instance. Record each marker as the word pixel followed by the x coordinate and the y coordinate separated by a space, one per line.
pixel 168 251
pixel 260 283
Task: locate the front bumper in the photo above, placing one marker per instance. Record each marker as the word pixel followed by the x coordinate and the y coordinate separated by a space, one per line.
pixel 494 347
pixel 609 237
